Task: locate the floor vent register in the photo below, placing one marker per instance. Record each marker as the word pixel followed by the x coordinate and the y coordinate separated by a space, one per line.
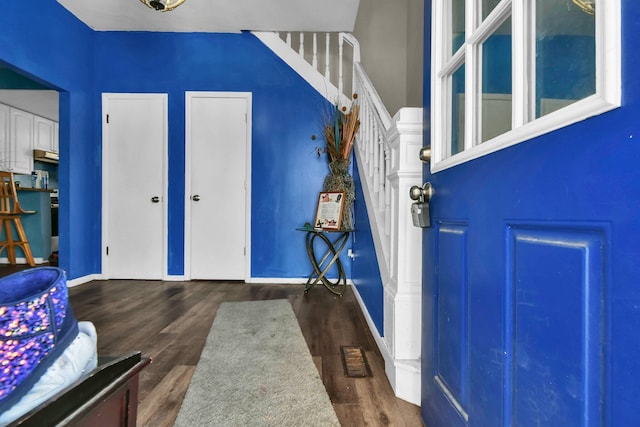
pixel 355 362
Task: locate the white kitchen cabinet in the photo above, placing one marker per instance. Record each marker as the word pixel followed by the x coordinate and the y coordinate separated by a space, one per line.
pixel 20 133
pixel 44 134
pixel 4 137
pixel 56 136
pixel 20 141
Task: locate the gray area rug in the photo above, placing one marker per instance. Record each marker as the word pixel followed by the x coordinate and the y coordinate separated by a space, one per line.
pixel 256 370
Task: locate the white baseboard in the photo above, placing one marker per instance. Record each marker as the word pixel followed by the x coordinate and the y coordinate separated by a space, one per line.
pixel 276 281
pixel 408 380
pixel 404 376
pixel 84 279
pixel 283 281
pixel 90 277
pixel 181 278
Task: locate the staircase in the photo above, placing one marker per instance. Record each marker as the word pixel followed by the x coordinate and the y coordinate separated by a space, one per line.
pixel 386 153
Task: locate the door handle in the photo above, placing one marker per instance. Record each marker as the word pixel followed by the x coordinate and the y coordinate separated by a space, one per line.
pixel 421 194
pixel 420 209
pixel 155 199
pixel 195 197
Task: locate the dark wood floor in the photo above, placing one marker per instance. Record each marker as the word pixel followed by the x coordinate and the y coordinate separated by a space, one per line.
pixel 169 321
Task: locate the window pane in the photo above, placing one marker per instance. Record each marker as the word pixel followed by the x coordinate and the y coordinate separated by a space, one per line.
pixel 488 6
pixel 565 55
pixel 457 111
pixel 496 83
pixel 457 25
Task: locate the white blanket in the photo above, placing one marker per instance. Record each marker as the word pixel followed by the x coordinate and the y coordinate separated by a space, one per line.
pixel 78 360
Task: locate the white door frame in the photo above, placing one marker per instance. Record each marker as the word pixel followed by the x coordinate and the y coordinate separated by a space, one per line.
pixel 187 177
pixel 105 175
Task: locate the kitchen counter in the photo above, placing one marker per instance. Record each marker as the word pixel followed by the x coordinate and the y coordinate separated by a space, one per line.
pixel 37 226
pixel 40 190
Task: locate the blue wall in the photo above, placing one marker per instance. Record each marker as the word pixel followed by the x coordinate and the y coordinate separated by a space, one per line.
pixel 56 50
pixel 50 46
pixel 365 269
pixel 286 174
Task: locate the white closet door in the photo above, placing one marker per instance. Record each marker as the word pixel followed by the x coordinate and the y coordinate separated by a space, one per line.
pixel 134 177
pixel 217 140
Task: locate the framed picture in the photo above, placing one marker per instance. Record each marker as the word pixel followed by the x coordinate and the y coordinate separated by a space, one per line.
pixel 329 211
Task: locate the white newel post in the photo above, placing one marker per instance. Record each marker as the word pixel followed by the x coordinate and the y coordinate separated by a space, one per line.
pixel 403 292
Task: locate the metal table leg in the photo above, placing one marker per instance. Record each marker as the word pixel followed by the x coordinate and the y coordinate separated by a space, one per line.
pixel 330 257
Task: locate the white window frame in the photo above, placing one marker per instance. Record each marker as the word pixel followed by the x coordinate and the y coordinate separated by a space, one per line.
pixel 524 124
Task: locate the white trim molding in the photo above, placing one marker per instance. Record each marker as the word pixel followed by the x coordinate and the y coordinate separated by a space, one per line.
pixel 84 279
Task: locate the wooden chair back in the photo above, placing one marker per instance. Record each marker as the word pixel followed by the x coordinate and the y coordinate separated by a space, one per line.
pixel 10 212
pixel 9 204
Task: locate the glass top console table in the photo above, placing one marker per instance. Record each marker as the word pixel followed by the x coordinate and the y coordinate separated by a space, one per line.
pixel 322 265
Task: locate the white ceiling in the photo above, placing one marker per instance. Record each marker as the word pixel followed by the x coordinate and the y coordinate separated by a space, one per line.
pixel 41 102
pixel 218 16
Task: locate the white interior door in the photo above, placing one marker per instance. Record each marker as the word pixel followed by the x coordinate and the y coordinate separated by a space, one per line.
pixel 218 141
pixel 134 212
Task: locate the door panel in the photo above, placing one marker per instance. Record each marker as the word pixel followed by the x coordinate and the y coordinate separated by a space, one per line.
pixel 217 140
pixel 554 367
pixel 451 324
pixel 133 158
pixel 542 274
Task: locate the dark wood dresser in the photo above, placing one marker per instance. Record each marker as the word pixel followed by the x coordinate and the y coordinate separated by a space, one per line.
pixel 107 397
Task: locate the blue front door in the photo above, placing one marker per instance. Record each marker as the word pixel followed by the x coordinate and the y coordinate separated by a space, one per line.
pixel 531 287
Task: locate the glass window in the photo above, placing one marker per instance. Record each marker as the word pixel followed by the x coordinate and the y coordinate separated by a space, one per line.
pixel 496 83
pixel 457 112
pixel 527 68
pixel 565 55
pixel 457 24
pixel 488 6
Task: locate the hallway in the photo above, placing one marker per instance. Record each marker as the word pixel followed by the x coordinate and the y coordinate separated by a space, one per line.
pixel 169 321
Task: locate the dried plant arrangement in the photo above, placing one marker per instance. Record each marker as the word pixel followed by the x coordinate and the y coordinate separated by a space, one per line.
pixel 340 127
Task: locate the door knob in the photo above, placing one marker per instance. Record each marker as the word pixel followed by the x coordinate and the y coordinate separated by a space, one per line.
pixel 195 197
pixel 420 209
pixel 421 194
pixel 155 199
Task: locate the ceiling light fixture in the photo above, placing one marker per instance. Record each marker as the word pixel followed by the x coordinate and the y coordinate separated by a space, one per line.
pixel 163 5
pixel 587 6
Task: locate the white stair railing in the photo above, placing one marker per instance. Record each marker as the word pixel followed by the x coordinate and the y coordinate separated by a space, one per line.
pixel 374 149
pixel 386 151
pixel 341 51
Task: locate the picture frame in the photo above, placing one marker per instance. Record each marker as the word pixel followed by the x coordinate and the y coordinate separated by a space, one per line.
pixel 329 210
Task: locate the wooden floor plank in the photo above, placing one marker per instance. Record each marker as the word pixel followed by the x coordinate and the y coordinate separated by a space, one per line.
pixel 161 405
pixel 169 321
